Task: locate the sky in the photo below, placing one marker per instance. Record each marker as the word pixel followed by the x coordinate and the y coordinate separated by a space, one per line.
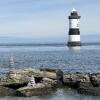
pixel 46 18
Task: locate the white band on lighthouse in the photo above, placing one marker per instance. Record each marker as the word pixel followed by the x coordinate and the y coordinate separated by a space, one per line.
pixel 74 23
pixel 74 38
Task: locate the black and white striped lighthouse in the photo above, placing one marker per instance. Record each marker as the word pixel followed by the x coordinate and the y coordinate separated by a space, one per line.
pixel 74 32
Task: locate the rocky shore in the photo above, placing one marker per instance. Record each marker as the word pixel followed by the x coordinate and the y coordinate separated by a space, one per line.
pixel 16 82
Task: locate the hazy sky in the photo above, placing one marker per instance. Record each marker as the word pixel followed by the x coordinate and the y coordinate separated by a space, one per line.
pixel 46 18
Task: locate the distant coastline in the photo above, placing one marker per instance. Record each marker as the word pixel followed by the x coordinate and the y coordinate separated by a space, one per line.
pixel 47 44
pixel 34 44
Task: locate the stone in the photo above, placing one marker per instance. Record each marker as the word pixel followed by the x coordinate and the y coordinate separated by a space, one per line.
pixel 23 75
pixel 95 79
pixel 38 89
pixel 5 91
pixel 48 70
pixel 49 82
pixel 73 79
pixel 59 75
pixel 15 82
pixel 89 89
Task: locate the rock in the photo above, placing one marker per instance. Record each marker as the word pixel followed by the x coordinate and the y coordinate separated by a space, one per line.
pixel 50 75
pixel 15 85
pixel 4 91
pixel 89 89
pixel 23 75
pixel 16 76
pixel 38 89
pixel 48 70
pixel 15 82
pixel 95 79
pixel 59 75
pixel 49 82
pixel 73 79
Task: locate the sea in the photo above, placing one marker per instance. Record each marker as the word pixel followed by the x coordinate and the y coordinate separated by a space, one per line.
pixel 69 59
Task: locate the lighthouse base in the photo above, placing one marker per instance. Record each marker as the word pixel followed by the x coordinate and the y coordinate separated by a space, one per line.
pixel 70 44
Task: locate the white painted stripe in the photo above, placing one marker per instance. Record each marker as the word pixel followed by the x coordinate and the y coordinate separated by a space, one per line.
pixel 73 38
pixel 74 23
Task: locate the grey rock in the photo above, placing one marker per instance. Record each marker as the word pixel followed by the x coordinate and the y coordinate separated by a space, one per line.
pixel 59 74
pixel 48 70
pixel 49 82
pixel 38 89
pixel 21 76
pixel 89 89
pixel 73 79
pixel 95 79
pixel 4 91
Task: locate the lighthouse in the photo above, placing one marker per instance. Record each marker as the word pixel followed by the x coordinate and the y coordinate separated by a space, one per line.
pixel 74 32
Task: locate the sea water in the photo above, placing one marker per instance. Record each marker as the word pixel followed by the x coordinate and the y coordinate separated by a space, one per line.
pixel 84 59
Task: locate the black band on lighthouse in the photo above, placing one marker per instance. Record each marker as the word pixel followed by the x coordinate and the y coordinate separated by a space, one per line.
pixel 74 31
pixel 74 15
pixel 78 43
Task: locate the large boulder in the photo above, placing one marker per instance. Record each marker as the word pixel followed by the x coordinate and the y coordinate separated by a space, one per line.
pixel 48 70
pixel 59 75
pixel 23 75
pixel 5 91
pixel 73 79
pixel 89 89
pixel 95 79
pixel 92 87
pixel 49 82
pixel 38 89
pixel 16 76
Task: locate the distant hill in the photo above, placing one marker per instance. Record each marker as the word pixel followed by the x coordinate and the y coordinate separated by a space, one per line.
pixel 14 40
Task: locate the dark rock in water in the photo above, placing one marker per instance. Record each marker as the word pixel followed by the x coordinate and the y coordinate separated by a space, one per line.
pixel 88 89
pixel 73 79
pixel 4 91
pixel 48 70
pixel 95 79
pixel 59 75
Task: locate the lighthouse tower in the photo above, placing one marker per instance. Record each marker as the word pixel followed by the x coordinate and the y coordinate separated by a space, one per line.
pixel 74 32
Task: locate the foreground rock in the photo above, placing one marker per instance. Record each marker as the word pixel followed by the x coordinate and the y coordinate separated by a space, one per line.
pixel 89 89
pixel 85 83
pixel 15 82
pixel 21 76
pixel 38 89
pixel 73 79
pixel 4 91
pixel 95 79
pixel 18 76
